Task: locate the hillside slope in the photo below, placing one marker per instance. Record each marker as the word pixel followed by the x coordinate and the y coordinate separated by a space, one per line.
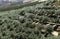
pixel 17 6
pixel 30 22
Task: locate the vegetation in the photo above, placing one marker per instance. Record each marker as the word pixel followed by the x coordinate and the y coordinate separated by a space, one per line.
pixel 16 6
pixel 27 22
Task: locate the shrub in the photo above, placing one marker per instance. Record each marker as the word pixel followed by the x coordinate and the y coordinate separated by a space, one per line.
pixel 49 28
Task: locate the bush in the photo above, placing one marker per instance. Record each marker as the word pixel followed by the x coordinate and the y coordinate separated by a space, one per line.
pixel 49 28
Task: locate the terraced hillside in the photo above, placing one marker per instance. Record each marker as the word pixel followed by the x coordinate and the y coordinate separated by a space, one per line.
pixel 39 21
